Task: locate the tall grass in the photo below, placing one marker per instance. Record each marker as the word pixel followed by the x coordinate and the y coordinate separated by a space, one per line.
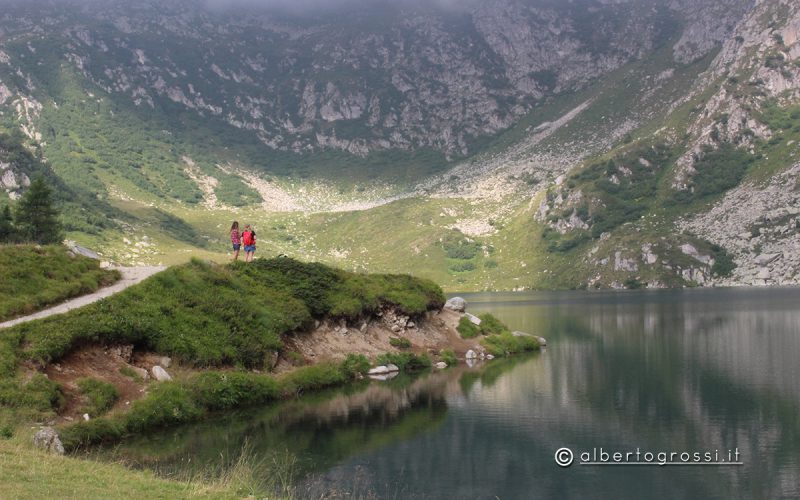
pixel 34 277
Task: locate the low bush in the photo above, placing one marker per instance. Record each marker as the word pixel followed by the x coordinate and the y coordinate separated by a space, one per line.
pixel 490 325
pixel 406 361
pixel 400 342
pixel 224 390
pixel 467 329
pixel 449 357
pixel 504 344
pixel 355 364
pixel 100 396
pixel 312 378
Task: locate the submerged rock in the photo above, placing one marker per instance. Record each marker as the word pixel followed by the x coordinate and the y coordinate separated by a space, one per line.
pixel 47 439
pixel 160 374
pixel 456 304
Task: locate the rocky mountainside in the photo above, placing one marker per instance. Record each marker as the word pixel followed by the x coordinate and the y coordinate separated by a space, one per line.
pixel 356 79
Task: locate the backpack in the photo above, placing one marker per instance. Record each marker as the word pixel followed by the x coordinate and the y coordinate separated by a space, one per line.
pixel 249 238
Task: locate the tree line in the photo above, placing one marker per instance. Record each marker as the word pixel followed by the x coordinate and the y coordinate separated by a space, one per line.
pixel 35 218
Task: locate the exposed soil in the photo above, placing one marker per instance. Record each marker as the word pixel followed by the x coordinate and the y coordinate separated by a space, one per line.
pixel 97 362
pixel 333 341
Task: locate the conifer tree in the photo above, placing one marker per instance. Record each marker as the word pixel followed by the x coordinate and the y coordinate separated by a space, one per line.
pixel 36 218
pixel 6 225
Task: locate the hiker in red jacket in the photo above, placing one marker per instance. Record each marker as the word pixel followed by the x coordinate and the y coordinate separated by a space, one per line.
pixel 249 242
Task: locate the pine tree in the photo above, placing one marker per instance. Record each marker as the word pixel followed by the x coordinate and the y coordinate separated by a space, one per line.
pixel 36 217
pixel 6 225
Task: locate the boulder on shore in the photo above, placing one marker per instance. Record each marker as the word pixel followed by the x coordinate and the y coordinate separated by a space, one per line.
pixel 441 365
pixel 456 304
pixel 392 368
pixel 47 439
pixel 471 354
pixel 160 374
pixel 378 370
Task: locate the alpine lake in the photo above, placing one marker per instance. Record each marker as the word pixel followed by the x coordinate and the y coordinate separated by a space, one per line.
pixel 673 373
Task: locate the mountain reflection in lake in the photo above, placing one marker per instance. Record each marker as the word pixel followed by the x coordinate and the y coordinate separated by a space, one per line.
pixel 686 370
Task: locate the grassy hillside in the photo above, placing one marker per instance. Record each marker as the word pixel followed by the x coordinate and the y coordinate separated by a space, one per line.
pixel 36 277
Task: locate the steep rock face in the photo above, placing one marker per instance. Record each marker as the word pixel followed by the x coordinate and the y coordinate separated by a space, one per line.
pixel 366 79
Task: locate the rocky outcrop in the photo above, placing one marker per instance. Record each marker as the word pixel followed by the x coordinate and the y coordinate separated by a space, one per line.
pixel 760 227
pixel 47 439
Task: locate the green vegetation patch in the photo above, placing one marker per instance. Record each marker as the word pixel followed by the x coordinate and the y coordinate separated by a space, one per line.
pixel 449 357
pixel 504 344
pixel 406 361
pixel 400 342
pixel 36 277
pixel 717 171
pixel 490 325
pixel 100 396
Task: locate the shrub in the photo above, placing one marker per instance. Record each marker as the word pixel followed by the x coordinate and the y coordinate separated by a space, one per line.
pixel 467 328
pixel 312 378
pixel 100 395
pixel 355 364
pixel 130 373
pixel 167 403
pixel 505 344
pixel 406 361
pixel 491 325
pixel 462 267
pixel 225 390
pixel 449 357
pixel 400 342
pixel 723 263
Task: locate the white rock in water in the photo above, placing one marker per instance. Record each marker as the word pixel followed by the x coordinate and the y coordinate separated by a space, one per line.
pixel 489 357
pixel 48 440
pixel 378 370
pixel 441 365
pixel 471 354
pixel 473 319
pixel 160 374
pixel 456 304
pixel 392 368
pixel 542 341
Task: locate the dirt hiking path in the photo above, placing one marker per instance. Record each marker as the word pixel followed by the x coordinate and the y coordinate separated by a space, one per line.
pixel 130 276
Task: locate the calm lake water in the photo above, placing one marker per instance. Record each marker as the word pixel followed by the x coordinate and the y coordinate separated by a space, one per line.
pixel 683 371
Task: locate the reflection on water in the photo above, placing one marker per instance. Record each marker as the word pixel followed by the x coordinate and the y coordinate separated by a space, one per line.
pixel 691 370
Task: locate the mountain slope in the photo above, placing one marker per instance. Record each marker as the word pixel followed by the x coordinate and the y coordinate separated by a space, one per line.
pixel 503 144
